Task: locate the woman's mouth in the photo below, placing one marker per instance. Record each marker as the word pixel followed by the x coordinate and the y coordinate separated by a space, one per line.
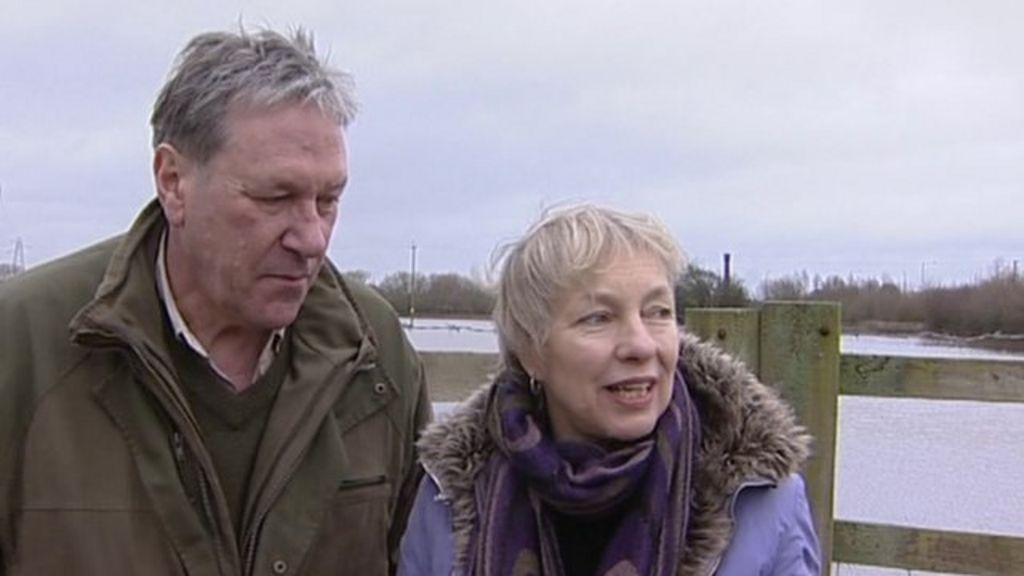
pixel 631 390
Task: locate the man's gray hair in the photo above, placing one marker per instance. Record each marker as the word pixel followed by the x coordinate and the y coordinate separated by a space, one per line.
pixel 216 70
pixel 560 252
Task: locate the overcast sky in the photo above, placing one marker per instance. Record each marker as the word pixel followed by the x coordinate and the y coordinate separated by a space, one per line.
pixel 865 138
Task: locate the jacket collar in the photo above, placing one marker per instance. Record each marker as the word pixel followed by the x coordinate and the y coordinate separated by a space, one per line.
pixel 747 435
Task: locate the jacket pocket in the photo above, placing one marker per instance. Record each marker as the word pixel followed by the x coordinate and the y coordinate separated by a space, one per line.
pixel 353 538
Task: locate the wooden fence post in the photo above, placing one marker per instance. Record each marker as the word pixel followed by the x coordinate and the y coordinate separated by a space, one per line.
pixel 736 331
pixel 800 357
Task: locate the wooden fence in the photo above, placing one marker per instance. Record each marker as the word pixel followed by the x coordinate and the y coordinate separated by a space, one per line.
pixel 795 347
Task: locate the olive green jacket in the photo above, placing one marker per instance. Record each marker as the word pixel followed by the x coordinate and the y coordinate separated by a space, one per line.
pixel 102 465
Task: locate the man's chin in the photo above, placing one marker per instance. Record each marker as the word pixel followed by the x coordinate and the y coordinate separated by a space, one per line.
pixel 277 316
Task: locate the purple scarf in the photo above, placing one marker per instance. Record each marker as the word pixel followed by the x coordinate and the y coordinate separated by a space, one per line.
pixel 530 474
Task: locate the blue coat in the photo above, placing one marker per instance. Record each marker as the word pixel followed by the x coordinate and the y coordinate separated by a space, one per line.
pixel 750 516
pixel 773 534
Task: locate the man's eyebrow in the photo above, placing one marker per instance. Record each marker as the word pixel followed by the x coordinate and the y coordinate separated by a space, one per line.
pixel 337 186
pixel 340 185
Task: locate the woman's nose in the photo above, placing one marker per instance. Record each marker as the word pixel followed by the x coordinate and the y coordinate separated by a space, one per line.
pixel 636 341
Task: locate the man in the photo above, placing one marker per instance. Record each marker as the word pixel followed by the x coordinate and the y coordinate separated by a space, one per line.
pixel 206 394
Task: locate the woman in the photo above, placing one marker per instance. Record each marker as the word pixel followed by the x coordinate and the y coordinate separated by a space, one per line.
pixel 609 443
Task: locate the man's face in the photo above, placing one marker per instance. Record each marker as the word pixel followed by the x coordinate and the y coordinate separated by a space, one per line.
pixel 249 230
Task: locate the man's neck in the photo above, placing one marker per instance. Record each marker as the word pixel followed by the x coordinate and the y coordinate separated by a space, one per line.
pixel 238 354
pixel 235 354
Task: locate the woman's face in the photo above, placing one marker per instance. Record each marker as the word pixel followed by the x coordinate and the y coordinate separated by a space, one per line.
pixel 609 360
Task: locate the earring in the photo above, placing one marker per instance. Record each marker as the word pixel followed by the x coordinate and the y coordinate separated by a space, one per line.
pixel 534 386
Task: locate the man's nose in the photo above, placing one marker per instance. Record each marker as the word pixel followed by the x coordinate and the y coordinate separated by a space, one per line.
pixel 308 232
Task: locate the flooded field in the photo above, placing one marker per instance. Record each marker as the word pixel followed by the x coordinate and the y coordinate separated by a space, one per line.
pixel 444 335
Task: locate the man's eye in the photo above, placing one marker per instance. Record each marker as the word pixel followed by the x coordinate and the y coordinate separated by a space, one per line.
pixel 327 204
pixel 595 318
pixel 272 199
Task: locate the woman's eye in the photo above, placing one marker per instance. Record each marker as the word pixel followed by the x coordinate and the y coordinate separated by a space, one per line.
pixel 661 313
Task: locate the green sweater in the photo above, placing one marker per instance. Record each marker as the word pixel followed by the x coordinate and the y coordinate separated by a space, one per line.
pixel 231 422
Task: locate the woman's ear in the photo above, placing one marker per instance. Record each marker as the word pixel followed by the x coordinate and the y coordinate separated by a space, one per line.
pixel 532 364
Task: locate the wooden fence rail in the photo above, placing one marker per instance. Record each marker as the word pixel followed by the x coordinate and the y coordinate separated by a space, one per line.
pixel 795 346
pixel 934 379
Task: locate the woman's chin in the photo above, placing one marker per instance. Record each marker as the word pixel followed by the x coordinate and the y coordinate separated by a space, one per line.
pixel 625 432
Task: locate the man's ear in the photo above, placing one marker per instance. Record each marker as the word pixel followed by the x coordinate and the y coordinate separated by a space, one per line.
pixel 171 174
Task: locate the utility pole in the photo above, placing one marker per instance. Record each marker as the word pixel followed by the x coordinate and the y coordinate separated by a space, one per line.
pixel 18 262
pixel 412 288
pixel 727 270
pixel 924 264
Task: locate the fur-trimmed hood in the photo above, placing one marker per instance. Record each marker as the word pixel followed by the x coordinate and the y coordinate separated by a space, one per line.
pixel 748 434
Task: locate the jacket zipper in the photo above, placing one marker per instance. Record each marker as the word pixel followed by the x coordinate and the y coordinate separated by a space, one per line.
pixel 204 494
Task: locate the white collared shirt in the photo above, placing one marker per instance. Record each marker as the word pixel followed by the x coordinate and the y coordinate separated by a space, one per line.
pixel 182 331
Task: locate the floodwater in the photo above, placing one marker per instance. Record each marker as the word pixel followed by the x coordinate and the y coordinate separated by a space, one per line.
pixel 441 335
pixel 949 465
